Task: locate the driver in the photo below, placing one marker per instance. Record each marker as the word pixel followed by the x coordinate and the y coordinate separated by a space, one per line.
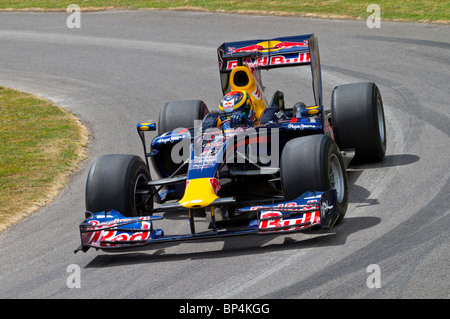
pixel 236 107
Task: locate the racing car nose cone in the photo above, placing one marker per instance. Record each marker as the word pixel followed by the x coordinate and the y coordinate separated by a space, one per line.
pixel 199 193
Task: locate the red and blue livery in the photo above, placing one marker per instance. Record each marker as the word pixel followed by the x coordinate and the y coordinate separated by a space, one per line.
pixel 284 173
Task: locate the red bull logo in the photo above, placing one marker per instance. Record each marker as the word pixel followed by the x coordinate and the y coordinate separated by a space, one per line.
pixel 267 46
pixel 273 60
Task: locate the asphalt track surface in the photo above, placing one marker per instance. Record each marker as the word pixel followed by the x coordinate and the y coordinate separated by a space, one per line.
pixel 119 68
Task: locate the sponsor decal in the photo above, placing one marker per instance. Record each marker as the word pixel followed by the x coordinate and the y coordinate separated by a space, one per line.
pixel 324 207
pixel 277 220
pixel 301 126
pixel 116 235
pixel 215 184
pixel 274 60
pixel 268 46
pixel 172 139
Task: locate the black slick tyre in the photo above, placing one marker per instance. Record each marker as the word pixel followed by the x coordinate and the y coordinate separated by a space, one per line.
pixel 357 118
pixel 180 114
pixel 173 116
pixel 113 183
pixel 314 163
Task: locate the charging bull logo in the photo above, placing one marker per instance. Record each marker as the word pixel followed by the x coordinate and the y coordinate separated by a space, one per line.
pixel 267 46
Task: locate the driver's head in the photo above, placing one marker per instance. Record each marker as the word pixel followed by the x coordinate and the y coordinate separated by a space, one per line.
pixel 236 101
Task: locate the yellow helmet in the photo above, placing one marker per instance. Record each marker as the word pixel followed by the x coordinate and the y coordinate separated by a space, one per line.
pixel 236 101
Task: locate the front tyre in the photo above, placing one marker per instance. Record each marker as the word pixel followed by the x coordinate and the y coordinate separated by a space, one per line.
pixel 314 163
pixel 172 116
pixel 116 181
pixel 180 114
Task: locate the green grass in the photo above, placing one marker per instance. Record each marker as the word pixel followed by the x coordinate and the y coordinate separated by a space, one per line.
pixel 412 10
pixel 40 144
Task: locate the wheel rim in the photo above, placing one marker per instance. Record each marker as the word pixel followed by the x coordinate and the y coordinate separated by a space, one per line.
pixel 381 121
pixel 336 176
pixel 139 197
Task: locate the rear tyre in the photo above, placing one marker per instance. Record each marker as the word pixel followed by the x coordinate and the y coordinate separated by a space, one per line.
pixel 114 183
pixel 357 118
pixel 314 163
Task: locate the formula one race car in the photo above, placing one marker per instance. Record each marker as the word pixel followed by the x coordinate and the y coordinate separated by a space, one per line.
pixel 285 171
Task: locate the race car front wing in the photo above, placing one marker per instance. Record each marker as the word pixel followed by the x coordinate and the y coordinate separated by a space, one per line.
pixel 111 231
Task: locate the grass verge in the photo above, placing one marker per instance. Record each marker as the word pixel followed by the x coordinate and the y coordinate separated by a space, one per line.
pixel 40 145
pixel 397 10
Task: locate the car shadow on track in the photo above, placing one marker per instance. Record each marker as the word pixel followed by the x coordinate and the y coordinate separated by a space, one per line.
pixel 392 160
pixel 361 196
pixel 240 246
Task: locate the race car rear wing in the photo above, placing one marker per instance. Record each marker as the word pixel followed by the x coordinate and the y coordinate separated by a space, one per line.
pixel 272 53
